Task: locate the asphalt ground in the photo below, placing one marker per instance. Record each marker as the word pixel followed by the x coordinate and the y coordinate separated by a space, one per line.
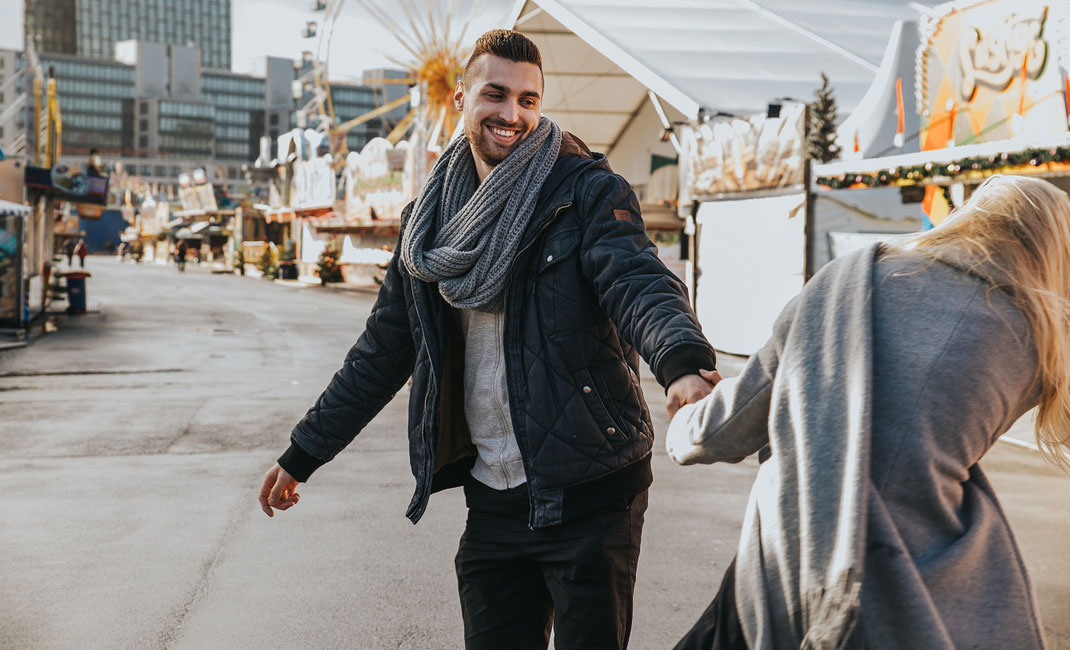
pixel 133 441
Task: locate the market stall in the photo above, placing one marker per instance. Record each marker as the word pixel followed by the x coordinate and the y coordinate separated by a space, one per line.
pixel 988 94
pixel 13 218
pixel 617 77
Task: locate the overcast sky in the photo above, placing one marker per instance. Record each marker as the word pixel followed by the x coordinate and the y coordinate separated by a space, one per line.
pixel 273 27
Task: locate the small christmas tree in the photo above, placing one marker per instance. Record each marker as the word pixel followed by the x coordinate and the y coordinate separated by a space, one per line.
pixel 821 132
pixel 327 268
pixel 269 263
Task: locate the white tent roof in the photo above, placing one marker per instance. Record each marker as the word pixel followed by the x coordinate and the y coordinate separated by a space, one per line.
pixel 600 57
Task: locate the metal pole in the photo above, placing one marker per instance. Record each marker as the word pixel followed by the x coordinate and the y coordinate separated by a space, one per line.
pixel 37 140
pixel 808 197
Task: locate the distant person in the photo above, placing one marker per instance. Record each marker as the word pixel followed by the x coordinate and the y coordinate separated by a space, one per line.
pixel 180 255
pixel 520 300
pixel 81 250
pixel 68 250
pixel 95 167
pixel 886 380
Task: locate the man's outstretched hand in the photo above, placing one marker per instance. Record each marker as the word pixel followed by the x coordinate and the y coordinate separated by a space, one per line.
pixel 690 389
pixel 278 491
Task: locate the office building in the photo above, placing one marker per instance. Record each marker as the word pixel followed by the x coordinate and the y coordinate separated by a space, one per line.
pixel 91 28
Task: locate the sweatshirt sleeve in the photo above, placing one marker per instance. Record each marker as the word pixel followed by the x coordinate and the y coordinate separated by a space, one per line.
pixel 732 422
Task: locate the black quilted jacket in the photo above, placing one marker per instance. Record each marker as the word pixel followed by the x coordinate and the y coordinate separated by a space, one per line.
pixel 586 297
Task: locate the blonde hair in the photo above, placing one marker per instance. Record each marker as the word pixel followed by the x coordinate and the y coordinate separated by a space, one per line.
pixel 1021 226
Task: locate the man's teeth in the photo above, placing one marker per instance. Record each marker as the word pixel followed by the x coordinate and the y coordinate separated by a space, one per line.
pixel 503 132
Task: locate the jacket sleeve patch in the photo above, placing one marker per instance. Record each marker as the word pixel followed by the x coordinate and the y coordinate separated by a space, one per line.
pixel 623 215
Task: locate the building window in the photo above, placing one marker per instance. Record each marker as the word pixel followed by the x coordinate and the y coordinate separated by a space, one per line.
pixel 143 142
pixel 274 119
pixel 144 107
pixel 144 124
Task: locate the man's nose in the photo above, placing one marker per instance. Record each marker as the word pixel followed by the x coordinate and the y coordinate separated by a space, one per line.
pixel 509 113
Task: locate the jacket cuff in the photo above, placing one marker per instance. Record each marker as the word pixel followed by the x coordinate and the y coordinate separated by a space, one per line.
pixel 685 360
pixel 298 463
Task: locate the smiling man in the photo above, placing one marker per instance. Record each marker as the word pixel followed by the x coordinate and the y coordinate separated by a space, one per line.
pixel 522 295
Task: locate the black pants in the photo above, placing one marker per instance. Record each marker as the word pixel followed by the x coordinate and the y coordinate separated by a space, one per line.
pixel 515 583
pixel 718 627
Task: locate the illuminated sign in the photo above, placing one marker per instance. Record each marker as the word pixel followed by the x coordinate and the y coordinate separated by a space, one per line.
pixel 988 71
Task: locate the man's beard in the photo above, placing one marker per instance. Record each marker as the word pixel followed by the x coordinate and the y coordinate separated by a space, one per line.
pixel 484 146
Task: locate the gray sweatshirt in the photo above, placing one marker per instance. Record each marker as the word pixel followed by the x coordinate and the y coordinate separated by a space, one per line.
pixel 885 382
pixel 486 401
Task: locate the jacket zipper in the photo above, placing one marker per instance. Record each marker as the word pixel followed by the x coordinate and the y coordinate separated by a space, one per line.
pixel 505 303
pixel 428 464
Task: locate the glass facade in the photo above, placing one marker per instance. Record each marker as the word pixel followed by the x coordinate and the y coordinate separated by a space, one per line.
pixel 96 25
pixel 51 25
pixel 96 100
pixel 351 101
pixel 186 129
pixel 239 119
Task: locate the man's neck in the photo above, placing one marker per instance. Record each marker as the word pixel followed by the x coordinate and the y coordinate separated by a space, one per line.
pixel 482 168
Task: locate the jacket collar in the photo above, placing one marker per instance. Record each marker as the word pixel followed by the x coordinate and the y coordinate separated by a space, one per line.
pixel 560 186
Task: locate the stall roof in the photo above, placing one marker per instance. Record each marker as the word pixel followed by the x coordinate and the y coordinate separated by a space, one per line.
pixel 600 57
pixel 9 208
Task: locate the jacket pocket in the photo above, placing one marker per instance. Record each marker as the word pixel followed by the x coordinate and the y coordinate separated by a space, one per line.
pixel 558 248
pixel 610 428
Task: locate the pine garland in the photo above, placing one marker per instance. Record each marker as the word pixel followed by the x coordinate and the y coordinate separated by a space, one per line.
pixel 959 170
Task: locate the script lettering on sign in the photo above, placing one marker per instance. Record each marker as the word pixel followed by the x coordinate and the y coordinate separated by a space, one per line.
pixel 994 57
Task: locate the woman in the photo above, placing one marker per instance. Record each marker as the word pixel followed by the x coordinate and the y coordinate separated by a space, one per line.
pixel 884 383
pixel 81 250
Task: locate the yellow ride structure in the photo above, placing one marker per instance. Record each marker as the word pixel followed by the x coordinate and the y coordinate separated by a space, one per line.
pixel 427 31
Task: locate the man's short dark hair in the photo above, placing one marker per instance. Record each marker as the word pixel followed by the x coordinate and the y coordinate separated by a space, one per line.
pixel 506 43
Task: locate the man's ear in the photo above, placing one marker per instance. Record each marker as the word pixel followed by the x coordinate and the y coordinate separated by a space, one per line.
pixel 458 96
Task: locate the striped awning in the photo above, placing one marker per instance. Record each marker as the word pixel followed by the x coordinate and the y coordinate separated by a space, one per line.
pixel 9 209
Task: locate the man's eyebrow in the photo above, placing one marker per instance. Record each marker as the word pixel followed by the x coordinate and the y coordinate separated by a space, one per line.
pixel 504 90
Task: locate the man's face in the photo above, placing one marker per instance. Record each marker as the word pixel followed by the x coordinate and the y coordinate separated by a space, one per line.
pixel 501 104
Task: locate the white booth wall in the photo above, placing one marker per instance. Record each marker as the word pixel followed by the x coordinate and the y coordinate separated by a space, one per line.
pixel 750 261
pixel 878 214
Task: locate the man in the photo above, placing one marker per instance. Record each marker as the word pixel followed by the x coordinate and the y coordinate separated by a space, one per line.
pixel 520 297
pixel 180 255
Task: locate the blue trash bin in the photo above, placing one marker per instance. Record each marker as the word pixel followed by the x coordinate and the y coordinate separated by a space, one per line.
pixel 76 291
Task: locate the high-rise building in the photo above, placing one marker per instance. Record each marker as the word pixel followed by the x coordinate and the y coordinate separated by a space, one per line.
pixel 91 28
pixel 51 25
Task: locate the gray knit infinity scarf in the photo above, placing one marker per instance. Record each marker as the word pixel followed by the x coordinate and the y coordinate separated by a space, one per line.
pixel 463 234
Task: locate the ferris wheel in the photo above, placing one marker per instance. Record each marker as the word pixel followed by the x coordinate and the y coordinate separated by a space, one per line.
pixel 432 32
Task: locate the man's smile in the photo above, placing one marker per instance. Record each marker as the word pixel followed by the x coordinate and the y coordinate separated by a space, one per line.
pixel 504 135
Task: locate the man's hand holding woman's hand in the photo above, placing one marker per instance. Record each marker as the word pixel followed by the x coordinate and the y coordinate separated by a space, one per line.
pixel 690 389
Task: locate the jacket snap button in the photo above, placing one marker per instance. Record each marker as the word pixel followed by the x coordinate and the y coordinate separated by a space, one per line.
pixel 611 430
pixel 549 258
pixel 587 389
